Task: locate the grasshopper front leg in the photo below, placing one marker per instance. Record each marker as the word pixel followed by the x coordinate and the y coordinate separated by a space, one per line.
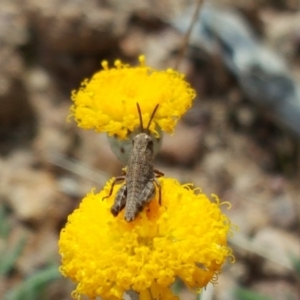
pixel 119 178
pixel 158 174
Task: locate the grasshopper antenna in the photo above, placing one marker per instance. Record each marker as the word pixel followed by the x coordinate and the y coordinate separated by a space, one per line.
pixel 152 116
pixel 140 116
pixel 141 119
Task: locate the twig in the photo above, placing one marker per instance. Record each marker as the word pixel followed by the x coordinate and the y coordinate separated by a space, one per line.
pixel 187 34
pixel 77 167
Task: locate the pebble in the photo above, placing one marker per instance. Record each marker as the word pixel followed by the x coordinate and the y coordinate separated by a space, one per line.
pixel 278 247
pixel 33 196
pixel 276 289
pixel 184 147
pixel 283 211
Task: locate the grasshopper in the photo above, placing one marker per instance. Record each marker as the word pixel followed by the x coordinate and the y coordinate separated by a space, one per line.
pixel 140 176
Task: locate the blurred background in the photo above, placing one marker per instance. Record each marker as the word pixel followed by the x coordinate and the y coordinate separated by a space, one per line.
pixel 240 140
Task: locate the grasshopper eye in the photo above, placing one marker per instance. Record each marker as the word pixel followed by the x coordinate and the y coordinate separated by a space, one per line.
pixel 150 144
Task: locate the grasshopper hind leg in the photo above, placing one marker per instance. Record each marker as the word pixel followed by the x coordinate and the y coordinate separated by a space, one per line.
pixel 145 196
pixel 120 201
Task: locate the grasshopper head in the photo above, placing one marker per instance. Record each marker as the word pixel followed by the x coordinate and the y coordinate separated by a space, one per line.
pixel 142 142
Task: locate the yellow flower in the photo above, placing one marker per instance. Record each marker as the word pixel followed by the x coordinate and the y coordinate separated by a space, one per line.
pixel 185 237
pixel 107 102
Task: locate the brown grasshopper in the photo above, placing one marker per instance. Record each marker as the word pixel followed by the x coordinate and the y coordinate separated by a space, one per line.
pixel 140 176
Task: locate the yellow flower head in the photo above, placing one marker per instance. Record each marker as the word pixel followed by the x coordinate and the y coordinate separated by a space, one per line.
pixel 107 102
pixel 185 237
